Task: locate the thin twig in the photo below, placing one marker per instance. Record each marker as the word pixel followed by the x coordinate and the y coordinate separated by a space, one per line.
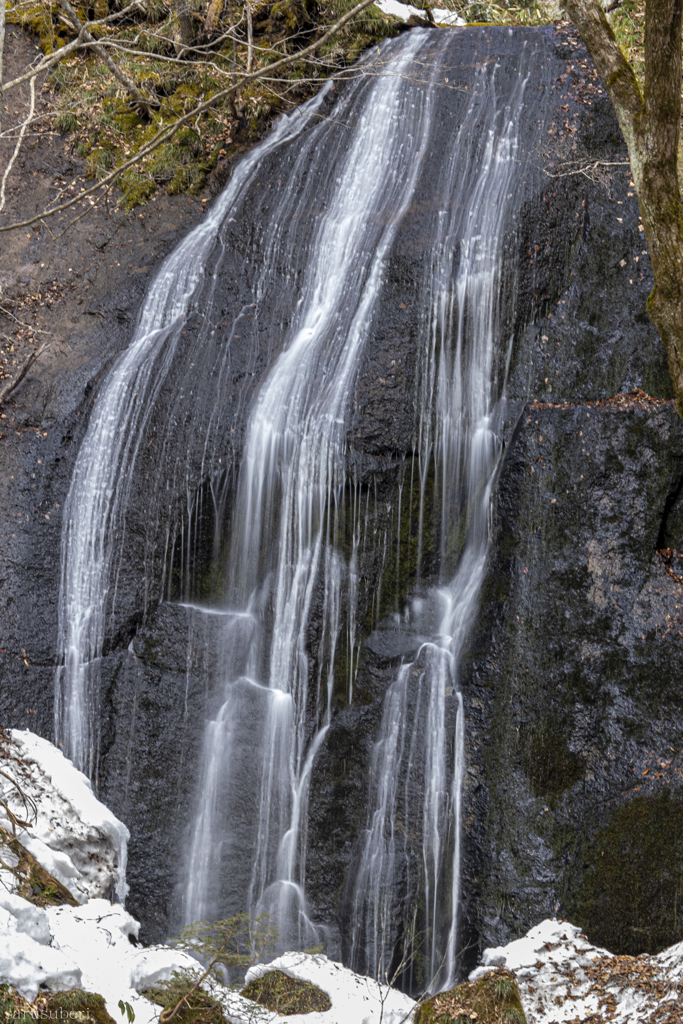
pixel 163 1019
pixel 30 326
pixel 9 388
pixel 76 44
pixel 15 154
pixel 45 64
pixel 589 167
pixel 103 195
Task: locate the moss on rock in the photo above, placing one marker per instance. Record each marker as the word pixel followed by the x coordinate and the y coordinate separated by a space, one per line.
pixel 631 898
pixel 88 99
pixel 493 999
pixel 546 760
pixel 198 1008
pixel 77 1005
pixel 282 994
pixel 74 1005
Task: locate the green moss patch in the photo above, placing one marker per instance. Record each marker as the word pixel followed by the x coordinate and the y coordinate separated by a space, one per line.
pixel 34 883
pixel 546 759
pixel 108 128
pixel 631 897
pixel 75 1005
pixel 493 999
pixel 282 994
pixel 197 1008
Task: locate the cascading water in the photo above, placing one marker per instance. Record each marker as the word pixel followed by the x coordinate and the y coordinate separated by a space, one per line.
pixel 302 518
pixel 414 808
pixel 95 509
pixel 292 474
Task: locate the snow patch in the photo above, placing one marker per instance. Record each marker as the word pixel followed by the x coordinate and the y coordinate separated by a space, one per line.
pixel 27 961
pixel 75 837
pixel 97 936
pixel 404 11
pixel 562 977
pixel 355 999
pixel 83 845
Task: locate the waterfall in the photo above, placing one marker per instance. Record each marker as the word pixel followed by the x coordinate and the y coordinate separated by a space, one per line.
pixel 295 607
pixel 95 509
pixel 412 839
pixel 292 475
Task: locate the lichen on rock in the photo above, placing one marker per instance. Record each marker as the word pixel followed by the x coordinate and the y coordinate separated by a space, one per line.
pixel 630 896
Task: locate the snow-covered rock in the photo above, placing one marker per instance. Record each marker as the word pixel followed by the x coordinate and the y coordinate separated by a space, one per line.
pixel 562 977
pixel 92 947
pixel 83 845
pixel 74 837
pixel 355 999
pixel 404 11
pixel 87 947
pixel 29 919
pixel 27 961
pixel 99 937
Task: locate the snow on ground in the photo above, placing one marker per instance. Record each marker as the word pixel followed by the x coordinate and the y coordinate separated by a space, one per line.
pixel 74 837
pixel 26 959
pixel 355 999
pixel 563 978
pixel 97 937
pixel 89 947
pixel 404 11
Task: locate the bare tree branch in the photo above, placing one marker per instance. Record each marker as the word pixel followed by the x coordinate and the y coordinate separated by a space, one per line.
pixel 139 98
pixel 76 44
pixel 22 133
pixel 167 133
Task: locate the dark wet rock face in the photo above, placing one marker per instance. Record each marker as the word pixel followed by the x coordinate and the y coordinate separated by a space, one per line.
pixel 573 678
pixel 570 678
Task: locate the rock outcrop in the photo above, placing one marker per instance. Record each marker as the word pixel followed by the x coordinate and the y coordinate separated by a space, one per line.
pixel 562 976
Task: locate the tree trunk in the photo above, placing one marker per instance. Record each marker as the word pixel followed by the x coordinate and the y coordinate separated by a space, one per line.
pixel 212 17
pixel 233 75
pixel 650 123
pixel 185 22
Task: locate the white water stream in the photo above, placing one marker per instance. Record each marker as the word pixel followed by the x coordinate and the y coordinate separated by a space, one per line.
pixel 414 823
pixel 95 508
